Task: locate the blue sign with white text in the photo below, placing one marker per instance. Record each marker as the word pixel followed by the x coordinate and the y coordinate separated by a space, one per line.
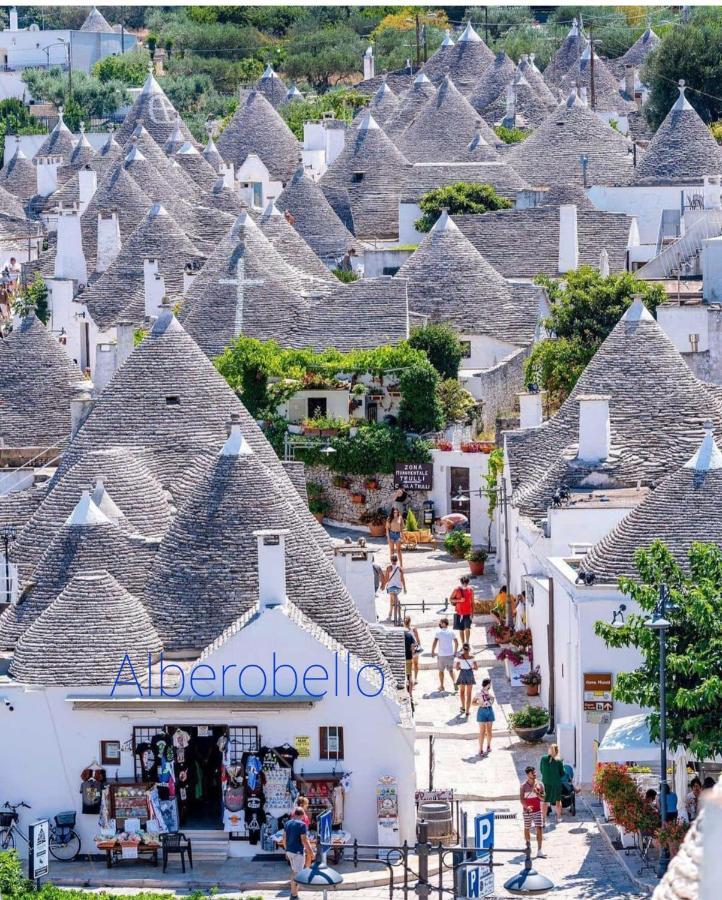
pixel 484 833
pixel 479 882
pixel 323 824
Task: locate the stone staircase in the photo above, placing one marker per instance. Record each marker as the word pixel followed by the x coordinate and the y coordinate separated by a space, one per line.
pixel 208 845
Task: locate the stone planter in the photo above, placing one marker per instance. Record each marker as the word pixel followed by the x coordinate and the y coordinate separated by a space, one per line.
pixel 476 568
pixel 626 837
pixel 377 530
pixel 532 735
pixel 532 690
pixel 607 809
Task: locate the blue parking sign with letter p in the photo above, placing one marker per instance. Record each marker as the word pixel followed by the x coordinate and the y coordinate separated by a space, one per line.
pixel 479 882
pixel 484 834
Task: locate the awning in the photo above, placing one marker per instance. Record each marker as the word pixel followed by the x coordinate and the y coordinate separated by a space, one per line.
pixel 192 704
pixel 628 740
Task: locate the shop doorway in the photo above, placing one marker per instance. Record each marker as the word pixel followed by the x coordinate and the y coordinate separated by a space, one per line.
pixel 460 498
pixel 198 766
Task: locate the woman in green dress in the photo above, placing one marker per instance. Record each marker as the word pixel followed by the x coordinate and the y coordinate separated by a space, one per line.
pixel 551 769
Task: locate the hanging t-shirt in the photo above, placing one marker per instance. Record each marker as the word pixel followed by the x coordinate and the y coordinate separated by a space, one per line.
pixel 181 739
pixel 91 791
pixel 287 754
pixel 254 814
pixel 252 769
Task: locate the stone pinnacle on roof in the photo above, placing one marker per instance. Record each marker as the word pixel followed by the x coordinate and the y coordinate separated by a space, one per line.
pixel 708 456
pixel 469 35
pixel 448 40
pixel 176 138
pixel 86 513
pixel 466 61
pixel 211 154
pixel 637 311
pixel 96 22
pixel 236 445
pixel 105 503
pixel 60 141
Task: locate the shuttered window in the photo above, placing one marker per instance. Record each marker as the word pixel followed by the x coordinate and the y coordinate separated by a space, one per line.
pixel 331 741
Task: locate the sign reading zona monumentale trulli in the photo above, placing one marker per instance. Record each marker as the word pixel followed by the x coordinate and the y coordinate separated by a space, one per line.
pixel 414 476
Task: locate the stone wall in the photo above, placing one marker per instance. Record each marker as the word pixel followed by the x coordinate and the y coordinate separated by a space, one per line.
pixel 499 386
pixel 343 510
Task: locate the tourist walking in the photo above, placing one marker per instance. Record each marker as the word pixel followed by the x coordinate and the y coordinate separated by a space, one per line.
pixel 416 650
pixel 531 794
pixel 692 799
pixel 463 600
pixel 446 643
pixel 394 582
pixel 298 846
pixel 551 769
pixel 410 645
pixel 394 531
pixel 465 666
pixel 485 715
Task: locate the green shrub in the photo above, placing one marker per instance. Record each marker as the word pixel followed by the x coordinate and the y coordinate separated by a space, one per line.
pixel 511 135
pixel 12 880
pixel 420 409
pixel 345 276
pixel 478 554
pixel 457 543
pixel 374 450
pixel 441 345
pixel 411 523
pixel 529 717
pixel 33 299
pixel 461 197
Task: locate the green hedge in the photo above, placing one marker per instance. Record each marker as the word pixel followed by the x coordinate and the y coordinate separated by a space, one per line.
pixel 375 450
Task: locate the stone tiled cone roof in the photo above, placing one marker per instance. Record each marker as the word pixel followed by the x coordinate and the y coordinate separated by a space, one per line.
pixel 145 174
pixel 531 109
pixel 657 411
pixel 315 219
pixel 449 281
pixel 391 644
pixel 10 205
pixel 384 104
pixel 155 112
pixel 492 82
pixel 466 61
pixel 552 153
pixel 97 23
pixel 83 152
pixel 175 140
pixel 638 52
pixel 118 294
pixel 206 571
pixel 535 79
pixel 205 225
pixel 422 178
pixel 521 243
pixel 83 637
pixel 681 151
pixel 35 387
pixel 399 80
pixel 169 398
pixel 686 507
pixel 288 241
pixel 273 87
pixel 565 57
pixel 606 87
pixel 18 176
pixel 565 194
pixel 17 507
pixel 195 165
pixel 60 141
pixel 443 128
pixel 181 182
pixel 410 102
pixel 369 206
pixel 126 478
pixel 225 199
pixel 211 155
pixel 256 127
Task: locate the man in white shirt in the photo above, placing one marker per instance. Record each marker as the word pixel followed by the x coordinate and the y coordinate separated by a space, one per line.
pixel 447 644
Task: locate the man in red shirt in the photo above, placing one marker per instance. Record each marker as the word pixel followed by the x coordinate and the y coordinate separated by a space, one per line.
pixel 463 600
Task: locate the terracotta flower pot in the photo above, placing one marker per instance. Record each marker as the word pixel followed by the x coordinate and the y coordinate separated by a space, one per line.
pixel 532 690
pixel 377 530
pixel 318 517
pixel 476 568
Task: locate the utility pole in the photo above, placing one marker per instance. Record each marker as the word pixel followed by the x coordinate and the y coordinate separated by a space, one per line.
pixel 418 42
pixel 70 66
pixel 592 93
pixel 426 43
pixel 486 24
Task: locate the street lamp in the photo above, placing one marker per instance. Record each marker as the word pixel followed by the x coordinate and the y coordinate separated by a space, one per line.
pixel 660 624
pixel 7 534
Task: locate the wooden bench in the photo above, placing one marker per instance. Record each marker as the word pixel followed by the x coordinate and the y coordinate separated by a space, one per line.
pixel 412 540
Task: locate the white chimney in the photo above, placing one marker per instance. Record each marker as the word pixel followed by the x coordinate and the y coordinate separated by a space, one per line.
pixel 630 81
pixel 369 63
pixel 712 269
pixel 87 184
pixel 189 276
pixel 711 189
pixel 69 257
pixel 80 405
pixel 46 174
pixel 594 428
pixel 604 263
pixel 105 365
pixel 227 172
pixel 271 567
pixel 108 239
pixel 583 95
pixel 13 18
pixel 125 342
pixel 510 102
pixel 154 286
pixel 568 239
pixel 530 408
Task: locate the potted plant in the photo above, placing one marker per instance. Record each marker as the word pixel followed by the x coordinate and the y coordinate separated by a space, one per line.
pixel 320 507
pixel 411 523
pixel 444 445
pixel 672 834
pixel 358 498
pixel 610 781
pixel 522 640
pixel 372 484
pixel 314 489
pixel 477 557
pixel 501 634
pixel 530 724
pixel 376 522
pixel 477 447
pixel 531 682
pixel 457 544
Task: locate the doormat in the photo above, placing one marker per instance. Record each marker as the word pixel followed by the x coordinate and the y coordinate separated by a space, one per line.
pixel 269 857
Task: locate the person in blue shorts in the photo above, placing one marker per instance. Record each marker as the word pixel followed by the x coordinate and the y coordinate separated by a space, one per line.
pixel 485 715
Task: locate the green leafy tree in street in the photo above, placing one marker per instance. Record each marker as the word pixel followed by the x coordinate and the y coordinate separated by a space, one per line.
pixel 457 403
pixel 694 645
pixel 441 345
pixel 584 308
pixel 461 197
pixel 420 409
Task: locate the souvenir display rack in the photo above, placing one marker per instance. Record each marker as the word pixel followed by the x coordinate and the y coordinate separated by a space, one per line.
pixel 318 788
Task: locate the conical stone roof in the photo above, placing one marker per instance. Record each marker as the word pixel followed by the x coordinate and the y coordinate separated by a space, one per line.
pixel 465 62
pixel 97 23
pixel 686 507
pixel 443 128
pixel 273 87
pixel 315 219
pixel 384 104
pixel 530 109
pixel 84 635
pixel 182 183
pixel 536 80
pixel 364 182
pixel 682 151
pixel 293 248
pixel 18 176
pixel 225 198
pixel 566 56
pixel 492 82
pixel 639 51
pixel 148 178
pixel 256 127
pixel 119 292
pixel 153 110
pixel 10 206
pixel 552 153
pixel 35 388
pixel 196 167
pixel 83 152
pixel 410 102
pixel 450 281
pixel 657 411
pixel 211 155
pixel 607 97
pixel 206 572
pixel 60 141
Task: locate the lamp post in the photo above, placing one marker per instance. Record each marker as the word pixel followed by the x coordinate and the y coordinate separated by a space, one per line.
pixel 7 534
pixel 46 50
pixel 660 624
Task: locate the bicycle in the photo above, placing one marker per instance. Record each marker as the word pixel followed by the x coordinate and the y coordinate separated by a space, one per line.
pixel 64 842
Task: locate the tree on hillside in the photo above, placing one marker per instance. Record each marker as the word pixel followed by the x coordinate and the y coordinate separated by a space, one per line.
pixel 323 56
pixel 343 102
pixel 690 52
pixel 441 345
pixel 129 68
pixel 420 409
pixel 694 645
pixel 584 308
pixel 15 119
pixel 458 198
